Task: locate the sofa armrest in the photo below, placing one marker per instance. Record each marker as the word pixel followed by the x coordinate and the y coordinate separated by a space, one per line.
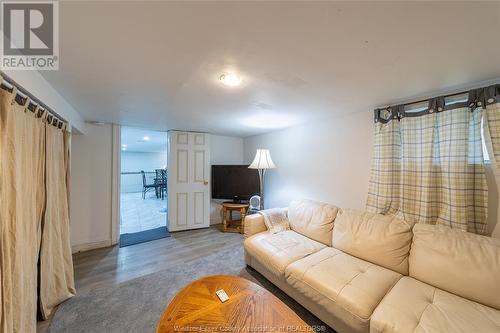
pixel 253 224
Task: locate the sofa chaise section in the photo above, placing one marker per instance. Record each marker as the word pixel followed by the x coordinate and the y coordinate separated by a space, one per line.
pixel 276 251
pixel 272 253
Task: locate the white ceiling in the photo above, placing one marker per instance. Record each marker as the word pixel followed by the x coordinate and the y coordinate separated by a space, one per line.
pixel 133 140
pixel 156 64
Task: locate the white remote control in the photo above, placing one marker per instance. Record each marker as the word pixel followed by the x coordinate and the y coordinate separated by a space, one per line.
pixel 222 295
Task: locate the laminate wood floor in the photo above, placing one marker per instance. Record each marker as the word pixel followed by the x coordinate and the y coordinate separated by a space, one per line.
pixel 108 267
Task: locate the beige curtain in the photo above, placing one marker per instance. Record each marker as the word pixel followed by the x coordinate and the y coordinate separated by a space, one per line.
pixel 56 265
pixel 429 167
pixel 22 199
pixel 35 254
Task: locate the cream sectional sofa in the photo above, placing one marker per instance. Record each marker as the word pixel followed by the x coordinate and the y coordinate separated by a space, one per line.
pixel 363 272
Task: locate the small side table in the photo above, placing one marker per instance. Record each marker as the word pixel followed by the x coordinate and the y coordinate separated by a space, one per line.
pixel 233 225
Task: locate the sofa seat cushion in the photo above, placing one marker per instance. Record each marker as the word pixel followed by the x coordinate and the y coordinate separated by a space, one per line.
pixel 277 251
pixel 414 306
pixel 348 287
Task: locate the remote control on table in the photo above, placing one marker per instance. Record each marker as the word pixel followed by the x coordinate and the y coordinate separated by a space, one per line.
pixel 222 295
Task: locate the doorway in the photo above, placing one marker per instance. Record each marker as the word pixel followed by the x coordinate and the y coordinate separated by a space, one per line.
pixel 143 186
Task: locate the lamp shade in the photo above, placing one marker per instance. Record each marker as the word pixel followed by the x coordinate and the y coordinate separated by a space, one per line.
pixel 262 160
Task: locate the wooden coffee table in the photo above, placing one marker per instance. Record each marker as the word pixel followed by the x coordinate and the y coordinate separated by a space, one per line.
pixel 250 308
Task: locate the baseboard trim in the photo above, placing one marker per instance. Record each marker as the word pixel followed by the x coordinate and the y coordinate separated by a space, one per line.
pixel 90 246
pixel 215 221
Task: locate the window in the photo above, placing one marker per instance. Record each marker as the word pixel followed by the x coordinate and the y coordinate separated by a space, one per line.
pixel 486 156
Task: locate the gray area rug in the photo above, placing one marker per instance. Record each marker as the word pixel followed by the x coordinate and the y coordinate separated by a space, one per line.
pixel 136 305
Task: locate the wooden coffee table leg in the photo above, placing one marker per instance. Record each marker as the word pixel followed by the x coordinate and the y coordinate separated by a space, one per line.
pixel 242 224
pixel 224 222
pixel 230 217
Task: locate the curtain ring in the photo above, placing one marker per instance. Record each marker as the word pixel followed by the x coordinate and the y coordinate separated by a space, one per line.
pixel 43 115
pixel 26 104
pixel 13 95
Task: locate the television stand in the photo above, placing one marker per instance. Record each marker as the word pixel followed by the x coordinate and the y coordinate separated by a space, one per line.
pixel 233 225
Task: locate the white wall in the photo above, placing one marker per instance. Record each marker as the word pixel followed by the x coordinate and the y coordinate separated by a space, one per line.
pixel 137 161
pixel 226 149
pixel 91 183
pixel 493 177
pixel 329 161
pixel 223 150
pixel 326 160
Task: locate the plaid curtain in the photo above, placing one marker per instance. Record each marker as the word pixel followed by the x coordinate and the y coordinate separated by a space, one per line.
pixel 384 190
pixel 428 167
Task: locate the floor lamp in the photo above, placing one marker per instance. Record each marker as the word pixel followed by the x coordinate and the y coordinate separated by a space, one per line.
pixel 262 162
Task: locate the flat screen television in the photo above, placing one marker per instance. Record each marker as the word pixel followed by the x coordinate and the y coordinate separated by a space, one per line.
pixel 235 182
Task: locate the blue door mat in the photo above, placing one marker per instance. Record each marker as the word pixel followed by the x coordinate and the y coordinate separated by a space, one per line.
pixel 143 236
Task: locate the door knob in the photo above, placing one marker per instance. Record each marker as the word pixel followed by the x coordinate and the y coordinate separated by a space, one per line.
pixel 205 183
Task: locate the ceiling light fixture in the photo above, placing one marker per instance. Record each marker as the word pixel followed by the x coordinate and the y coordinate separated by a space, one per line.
pixel 230 79
pixel 146 138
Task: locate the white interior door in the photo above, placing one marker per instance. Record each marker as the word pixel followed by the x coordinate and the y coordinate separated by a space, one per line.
pixel 188 178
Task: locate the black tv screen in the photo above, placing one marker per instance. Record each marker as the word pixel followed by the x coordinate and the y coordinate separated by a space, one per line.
pixel 236 182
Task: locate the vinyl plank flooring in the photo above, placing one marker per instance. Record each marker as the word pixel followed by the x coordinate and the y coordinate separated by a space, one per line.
pixel 108 267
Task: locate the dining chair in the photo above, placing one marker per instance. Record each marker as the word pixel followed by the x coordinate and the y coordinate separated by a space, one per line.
pixel 161 181
pixel 147 187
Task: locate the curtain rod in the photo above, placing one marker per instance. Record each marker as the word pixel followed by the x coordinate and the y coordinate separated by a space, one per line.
pixel 425 99
pixel 475 97
pixel 451 94
pixel 8 81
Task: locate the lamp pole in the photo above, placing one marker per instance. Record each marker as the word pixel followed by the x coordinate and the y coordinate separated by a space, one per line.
pixel 262 172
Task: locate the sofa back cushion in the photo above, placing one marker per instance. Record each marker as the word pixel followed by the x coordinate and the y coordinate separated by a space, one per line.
pixel 312 219
pixel 462 263
pixel 381 239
